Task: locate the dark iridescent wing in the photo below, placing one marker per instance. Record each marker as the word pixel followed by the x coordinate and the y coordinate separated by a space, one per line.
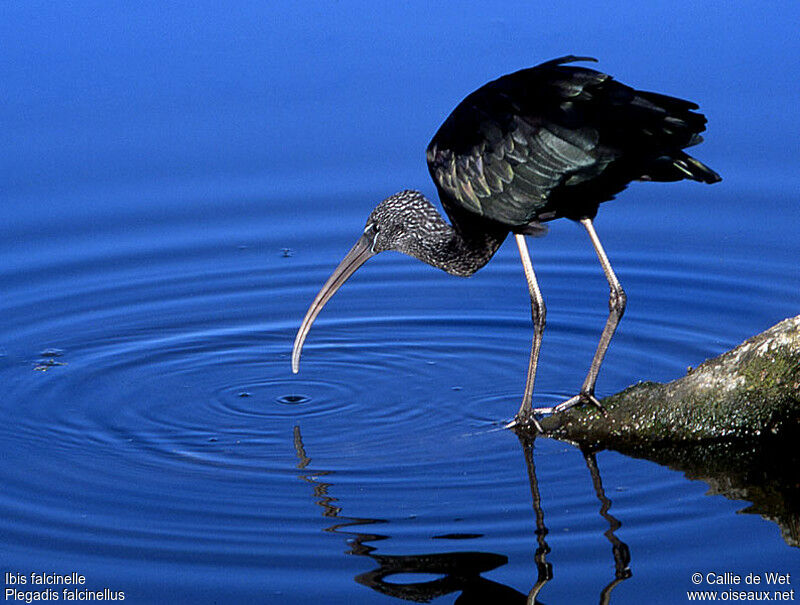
pixel 528 145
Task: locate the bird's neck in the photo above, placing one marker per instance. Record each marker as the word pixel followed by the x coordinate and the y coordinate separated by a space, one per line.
pixel 461 248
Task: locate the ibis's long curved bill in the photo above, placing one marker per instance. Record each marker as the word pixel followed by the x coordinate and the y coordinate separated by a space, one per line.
pixel 357 256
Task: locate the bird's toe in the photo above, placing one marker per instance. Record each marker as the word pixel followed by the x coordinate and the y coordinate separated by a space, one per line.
pixel 525 422
pixel 565 405
pixel 581 398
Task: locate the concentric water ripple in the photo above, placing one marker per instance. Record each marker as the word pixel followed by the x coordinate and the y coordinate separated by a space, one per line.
pixel 178 182
pixel 150 406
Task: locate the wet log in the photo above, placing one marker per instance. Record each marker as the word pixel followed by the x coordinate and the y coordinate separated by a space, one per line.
pixel 732 422
pixel 750 392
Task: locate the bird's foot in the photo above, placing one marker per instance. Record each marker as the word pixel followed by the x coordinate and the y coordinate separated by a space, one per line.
pixel 577 400
pixel 525 421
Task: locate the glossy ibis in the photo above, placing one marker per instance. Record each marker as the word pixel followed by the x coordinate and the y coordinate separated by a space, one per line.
pixel 542 143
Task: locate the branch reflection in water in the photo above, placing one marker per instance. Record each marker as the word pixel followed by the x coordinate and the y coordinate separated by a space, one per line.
pixel 459 571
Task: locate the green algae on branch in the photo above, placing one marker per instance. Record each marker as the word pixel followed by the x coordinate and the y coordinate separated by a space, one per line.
pixel 732 422
pixel 749 392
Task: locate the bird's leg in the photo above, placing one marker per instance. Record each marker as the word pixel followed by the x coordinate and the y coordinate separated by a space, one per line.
pixel 616 307
pixel 538 314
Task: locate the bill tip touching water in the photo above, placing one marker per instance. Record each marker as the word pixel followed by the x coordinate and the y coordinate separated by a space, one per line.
pixel 551 141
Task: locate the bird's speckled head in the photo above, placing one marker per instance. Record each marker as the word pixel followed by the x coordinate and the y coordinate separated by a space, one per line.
pixel 406 222
pixel 401 222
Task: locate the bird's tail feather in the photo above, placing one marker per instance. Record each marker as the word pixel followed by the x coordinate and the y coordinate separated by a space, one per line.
pixel 678 166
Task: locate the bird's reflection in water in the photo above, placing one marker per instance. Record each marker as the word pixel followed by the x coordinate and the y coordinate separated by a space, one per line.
pixel 620 550
pixel 458 571
pixel 543 568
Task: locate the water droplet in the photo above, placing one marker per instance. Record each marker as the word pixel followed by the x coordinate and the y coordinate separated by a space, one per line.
pixel 293 399
pixel 287 252
pixel 245 394
pixel 456 388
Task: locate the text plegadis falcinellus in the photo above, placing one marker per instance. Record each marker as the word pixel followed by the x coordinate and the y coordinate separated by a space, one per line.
pixel 542 143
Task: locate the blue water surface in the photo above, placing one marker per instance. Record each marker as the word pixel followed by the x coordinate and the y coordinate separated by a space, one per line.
pixel 177 183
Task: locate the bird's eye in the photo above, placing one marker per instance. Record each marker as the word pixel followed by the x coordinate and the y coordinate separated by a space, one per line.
pixel 374 238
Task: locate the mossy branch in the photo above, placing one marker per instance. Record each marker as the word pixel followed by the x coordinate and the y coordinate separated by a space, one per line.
pixel 750 391
pixel 733 422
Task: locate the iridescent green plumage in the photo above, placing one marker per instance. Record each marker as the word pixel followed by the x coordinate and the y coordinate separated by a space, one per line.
pixel 557 140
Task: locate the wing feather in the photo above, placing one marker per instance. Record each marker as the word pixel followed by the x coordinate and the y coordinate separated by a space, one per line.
pixel 557 140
